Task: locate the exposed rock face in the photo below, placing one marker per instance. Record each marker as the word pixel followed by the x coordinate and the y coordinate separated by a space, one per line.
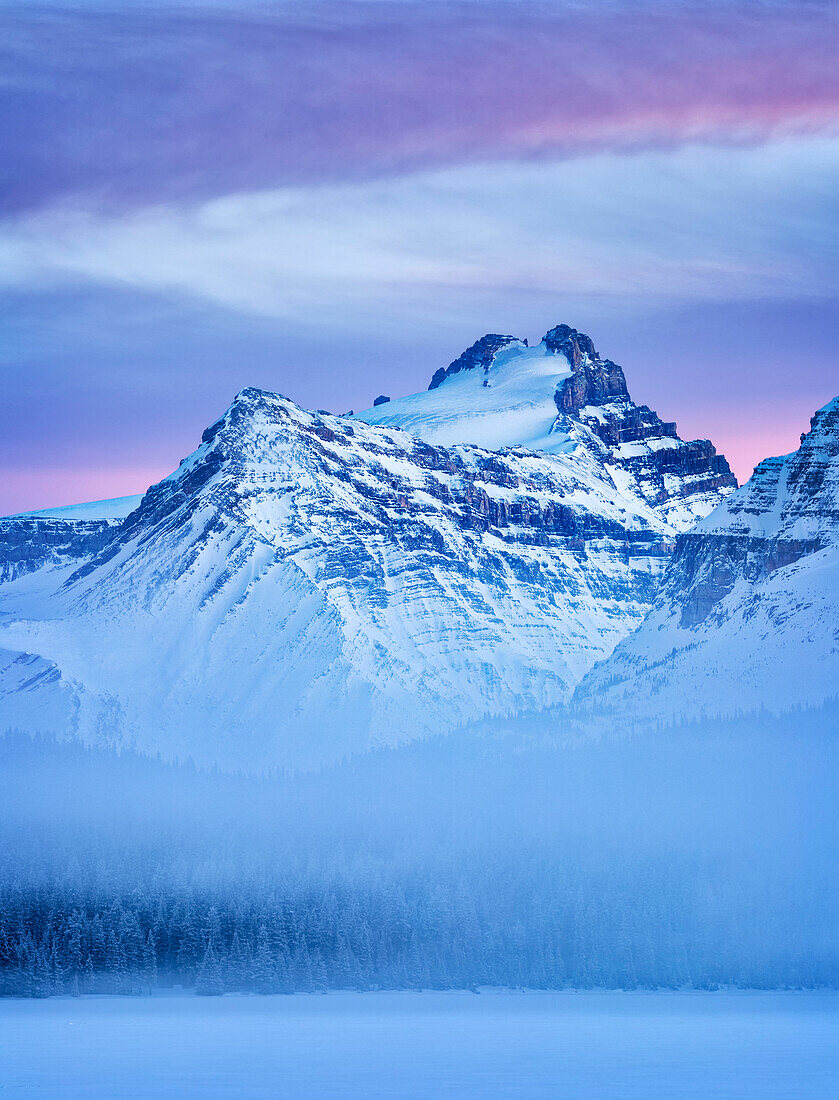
pixel 380 400
pixel 304 586
pixel 667 469
pixel 594 381
pixel 480 354
pixel 711 565
pixel 596 393
pixel 58 538
pixel 29 543
pixel 787 510
pixel 747 613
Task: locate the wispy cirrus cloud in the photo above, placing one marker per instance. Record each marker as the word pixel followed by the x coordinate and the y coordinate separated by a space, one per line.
pixel 695 225
pixel 121 104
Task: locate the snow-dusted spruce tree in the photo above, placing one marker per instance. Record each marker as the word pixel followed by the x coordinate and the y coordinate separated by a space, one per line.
pixel 209 981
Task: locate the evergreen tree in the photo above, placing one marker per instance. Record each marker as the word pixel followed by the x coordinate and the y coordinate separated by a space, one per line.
pixel 209 981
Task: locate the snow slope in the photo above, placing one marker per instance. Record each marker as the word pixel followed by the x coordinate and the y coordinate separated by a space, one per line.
pixel 117 508
pixel 510 404
pixel 747 614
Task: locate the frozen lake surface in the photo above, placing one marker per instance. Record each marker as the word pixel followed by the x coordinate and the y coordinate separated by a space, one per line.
pixel 412 1045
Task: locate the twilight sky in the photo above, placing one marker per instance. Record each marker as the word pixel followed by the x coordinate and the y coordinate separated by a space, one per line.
pixel 332 198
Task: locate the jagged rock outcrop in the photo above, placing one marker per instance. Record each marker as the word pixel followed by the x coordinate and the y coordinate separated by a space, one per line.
pixel 596 393
pixel 58 538
pixel 594 381
pixel 747 613
pixel 787 510
pixel 480 354
pixel 29 543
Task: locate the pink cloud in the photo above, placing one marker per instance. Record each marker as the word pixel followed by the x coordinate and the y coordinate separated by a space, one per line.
pixel 126 106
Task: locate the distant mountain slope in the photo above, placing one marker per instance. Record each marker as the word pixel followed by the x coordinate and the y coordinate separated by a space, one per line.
pixel 305 586
pixel 114 509
pixel 748 614
pixel 502 393
pixel 59 537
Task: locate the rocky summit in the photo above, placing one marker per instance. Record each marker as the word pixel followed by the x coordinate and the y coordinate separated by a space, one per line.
pixel 557 395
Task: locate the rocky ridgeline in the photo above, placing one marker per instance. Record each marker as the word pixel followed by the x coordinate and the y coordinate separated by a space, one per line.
pixel 30 543
pixel 746 617
pixel 788 510
pixel 364 481
pixel 597 395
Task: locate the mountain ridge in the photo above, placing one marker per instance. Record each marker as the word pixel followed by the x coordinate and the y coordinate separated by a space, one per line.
pixel 314 585
pixel 751 584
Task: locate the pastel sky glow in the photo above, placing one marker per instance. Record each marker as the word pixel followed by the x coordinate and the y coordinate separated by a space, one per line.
pixel 333 199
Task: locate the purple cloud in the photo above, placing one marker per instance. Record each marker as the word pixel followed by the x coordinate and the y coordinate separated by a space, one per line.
pixel 121 106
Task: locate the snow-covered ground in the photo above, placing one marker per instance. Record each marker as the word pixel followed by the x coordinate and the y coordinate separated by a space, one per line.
pixel 421 1045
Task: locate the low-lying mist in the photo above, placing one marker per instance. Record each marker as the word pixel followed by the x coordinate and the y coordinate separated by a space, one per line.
pixel 697 857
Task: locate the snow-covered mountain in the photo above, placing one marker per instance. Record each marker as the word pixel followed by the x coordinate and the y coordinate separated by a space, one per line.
pixel 305 585
pixel 748 613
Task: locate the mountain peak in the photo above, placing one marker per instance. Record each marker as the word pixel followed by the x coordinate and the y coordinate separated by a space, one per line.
pixel 594 381
pixel 574 345
pixel 555 396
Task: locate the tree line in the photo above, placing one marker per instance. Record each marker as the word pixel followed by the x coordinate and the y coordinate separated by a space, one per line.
pixel 529 925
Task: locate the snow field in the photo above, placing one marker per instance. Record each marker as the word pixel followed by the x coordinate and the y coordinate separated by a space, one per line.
pixel 408 1046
